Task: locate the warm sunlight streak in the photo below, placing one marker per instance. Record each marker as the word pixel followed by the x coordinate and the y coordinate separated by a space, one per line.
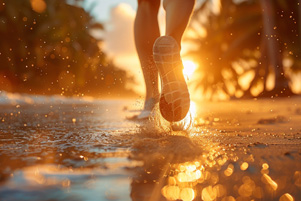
pixel 189 68
pixel 193 109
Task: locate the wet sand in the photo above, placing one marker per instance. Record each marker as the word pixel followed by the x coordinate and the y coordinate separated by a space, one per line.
pixel 235 150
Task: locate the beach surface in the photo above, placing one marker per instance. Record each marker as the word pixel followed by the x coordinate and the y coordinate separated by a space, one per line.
pixel 54 148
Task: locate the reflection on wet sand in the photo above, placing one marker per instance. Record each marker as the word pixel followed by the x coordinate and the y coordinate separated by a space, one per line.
pixel 70 153
pixel 179 168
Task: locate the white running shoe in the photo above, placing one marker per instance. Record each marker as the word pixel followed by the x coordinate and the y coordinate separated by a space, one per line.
pixel 144 114
pixel 174 100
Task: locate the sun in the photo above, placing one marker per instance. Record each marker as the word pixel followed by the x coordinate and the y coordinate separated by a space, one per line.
pixel 189 68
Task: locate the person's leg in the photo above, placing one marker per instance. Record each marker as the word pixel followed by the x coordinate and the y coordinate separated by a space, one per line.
pixel 174 99
pixel 146 30
pixel 178 13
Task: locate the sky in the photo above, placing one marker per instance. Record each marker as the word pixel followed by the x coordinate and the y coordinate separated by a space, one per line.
pixel 101 8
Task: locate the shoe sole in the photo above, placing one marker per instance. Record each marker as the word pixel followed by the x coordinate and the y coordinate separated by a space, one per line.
pixel 174 100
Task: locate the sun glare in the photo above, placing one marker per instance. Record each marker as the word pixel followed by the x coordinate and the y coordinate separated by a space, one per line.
pixel 189 68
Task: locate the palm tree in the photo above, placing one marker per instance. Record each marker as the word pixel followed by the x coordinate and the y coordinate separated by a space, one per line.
pixel 242 48
pixel 47 48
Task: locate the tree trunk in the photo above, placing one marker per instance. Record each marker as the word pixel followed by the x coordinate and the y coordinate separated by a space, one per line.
pixel 299 26
pixel 274 52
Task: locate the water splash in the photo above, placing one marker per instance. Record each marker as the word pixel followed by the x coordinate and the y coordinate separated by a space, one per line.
pixel 159 124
